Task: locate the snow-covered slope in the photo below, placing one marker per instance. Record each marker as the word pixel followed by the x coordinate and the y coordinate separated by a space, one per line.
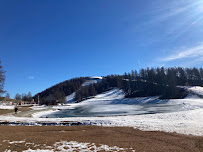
pixel 196 89
pixel 70 98
pixel 91 80
pixel 193 89
pixel 114 94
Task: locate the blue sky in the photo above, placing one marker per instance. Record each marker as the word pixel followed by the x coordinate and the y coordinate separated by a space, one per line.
pixel 44 42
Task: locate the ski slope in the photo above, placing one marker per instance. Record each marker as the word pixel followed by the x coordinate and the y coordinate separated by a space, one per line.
pixel 70 98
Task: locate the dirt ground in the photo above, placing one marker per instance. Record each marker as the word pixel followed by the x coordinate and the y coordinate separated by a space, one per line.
pixel 11 111
pixel 5 111
pixel 124 137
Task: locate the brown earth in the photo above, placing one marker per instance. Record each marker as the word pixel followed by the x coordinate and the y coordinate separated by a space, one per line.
pixel 11 111
pixel 5 111
pixel 124 137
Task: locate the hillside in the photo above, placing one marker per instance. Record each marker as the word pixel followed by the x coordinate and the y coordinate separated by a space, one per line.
pixel 61 90
pixel 160 82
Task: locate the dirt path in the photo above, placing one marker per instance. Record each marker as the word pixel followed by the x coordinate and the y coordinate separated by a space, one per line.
pixel 18 138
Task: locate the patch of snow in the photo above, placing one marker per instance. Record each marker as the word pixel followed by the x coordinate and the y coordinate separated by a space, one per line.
pixel 108 96
pixel 6 107
pixel 13 142
pixel 39 107
pixel 89 82
pixel 38 150
pixel 194 89
pixel 78 146
pixel 70 98
pixel 65 106
pixel 42 113
pixel 96 77
pixel 191 102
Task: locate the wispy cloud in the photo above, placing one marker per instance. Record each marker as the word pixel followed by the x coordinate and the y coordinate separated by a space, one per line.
pixel 195 54
pixel 170 13
pixel 30 77
pixel 176 18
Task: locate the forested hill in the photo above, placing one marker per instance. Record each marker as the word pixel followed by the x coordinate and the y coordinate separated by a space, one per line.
pixel 61 90
pixel 161 82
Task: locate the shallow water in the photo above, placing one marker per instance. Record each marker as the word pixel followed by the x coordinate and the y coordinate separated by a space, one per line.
pixel 115 110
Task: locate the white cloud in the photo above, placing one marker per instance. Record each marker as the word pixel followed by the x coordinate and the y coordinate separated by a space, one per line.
pixel 195 52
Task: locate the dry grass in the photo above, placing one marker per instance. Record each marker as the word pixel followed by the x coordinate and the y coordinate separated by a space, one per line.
pixel 24 109
pixel 11 111
pixel 113 136
pixel 5 111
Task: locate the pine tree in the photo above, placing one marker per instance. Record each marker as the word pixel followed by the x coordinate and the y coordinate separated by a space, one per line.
pixel 29 96
pixel 92 91
pixel 23 97
pixel 78 97
pixel 18 97
pixel 2 79
pixel 7 96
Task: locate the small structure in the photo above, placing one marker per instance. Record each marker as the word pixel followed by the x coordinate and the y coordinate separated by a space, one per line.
pixel 50 100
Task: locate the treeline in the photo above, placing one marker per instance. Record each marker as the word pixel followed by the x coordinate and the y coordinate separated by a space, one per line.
pixel 61 90
pixel 161 82
pixel 23 97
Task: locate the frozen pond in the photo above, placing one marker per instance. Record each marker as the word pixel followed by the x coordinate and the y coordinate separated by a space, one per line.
pixel 116 110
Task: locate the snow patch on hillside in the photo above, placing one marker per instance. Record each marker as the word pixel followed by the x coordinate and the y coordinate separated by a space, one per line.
pixel 109 96
pixel 116 96
pixel 194 89
pixel 70 98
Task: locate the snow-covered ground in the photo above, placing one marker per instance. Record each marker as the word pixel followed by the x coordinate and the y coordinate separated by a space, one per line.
pixel 196 89
pixel 6 106
pixel 189 121
pixel 42 113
